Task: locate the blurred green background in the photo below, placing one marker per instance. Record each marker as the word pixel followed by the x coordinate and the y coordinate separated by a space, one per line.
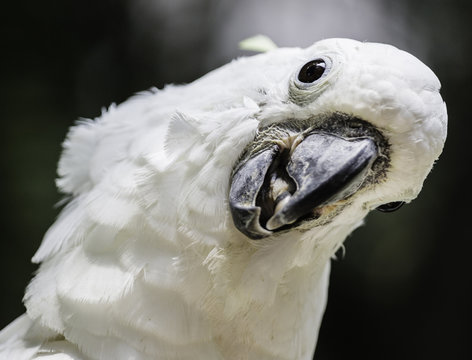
pixel 403 288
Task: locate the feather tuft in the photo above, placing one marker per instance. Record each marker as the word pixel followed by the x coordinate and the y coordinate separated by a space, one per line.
pixel 257 43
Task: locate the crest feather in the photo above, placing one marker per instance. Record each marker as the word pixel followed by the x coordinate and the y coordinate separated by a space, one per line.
pixel 258 43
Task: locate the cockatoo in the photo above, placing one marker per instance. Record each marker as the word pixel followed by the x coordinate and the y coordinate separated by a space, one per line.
pixel 202 218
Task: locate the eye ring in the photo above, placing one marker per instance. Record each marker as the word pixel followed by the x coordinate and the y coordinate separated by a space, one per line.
pixel 313 72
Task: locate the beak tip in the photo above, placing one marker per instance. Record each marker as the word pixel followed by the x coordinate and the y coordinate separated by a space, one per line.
pixel 272 224
pixel 278 220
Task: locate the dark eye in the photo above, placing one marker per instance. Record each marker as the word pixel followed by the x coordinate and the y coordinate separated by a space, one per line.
pixel 312 71
pixel 391 206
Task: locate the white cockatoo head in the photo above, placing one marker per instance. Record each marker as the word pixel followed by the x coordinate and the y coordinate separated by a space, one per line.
pixel 367 117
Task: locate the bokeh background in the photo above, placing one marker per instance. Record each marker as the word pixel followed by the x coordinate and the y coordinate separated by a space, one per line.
pixel 401 291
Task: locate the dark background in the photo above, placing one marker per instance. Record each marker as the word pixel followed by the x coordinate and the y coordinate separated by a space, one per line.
pixel 403 288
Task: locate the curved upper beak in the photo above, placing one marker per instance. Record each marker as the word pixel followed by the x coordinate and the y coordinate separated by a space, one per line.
pixel 275 188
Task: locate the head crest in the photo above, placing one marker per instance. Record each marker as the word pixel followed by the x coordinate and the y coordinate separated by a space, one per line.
pixel 258 43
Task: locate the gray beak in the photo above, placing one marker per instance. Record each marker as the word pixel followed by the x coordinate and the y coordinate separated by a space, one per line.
pixel 275 189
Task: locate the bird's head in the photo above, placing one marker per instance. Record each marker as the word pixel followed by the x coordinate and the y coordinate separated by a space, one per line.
pixel 348 127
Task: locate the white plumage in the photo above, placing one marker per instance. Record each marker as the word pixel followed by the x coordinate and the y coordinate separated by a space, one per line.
pixel 145 261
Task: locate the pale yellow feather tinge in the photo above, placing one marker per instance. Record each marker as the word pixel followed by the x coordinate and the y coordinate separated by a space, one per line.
pixel 257 43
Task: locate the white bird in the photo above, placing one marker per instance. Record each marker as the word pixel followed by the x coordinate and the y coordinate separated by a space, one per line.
pixel 202 218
